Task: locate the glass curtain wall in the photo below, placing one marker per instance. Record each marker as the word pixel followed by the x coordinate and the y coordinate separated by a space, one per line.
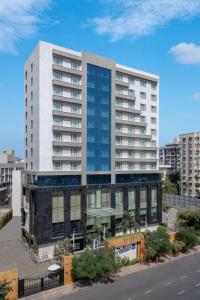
pixel 75 211
pixel 98 118
pixel 132 201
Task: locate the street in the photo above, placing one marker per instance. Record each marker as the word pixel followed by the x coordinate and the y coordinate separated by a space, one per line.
pixel 179 279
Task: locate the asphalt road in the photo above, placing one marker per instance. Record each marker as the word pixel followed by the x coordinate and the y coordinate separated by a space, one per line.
pixel 179 279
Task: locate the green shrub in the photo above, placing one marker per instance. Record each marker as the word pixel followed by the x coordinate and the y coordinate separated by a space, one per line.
pixel 188 236
pixel 177 247
pixel 92 266
pixel 63 248
pixel 5 288
pixel 187 218
pixel 157 243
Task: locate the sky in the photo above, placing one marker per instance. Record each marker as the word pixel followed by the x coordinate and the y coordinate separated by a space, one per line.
pixel 157 36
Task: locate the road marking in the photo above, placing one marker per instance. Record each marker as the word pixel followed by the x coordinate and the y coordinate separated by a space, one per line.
pixel 167 284
pixel 183 277
pixel 198 284
pixel 180 293
pixel 148 292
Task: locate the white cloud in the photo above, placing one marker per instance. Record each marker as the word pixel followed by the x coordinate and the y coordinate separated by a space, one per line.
pixel 196 96
pixel 186 53
pixel 135 18
pixel 19 19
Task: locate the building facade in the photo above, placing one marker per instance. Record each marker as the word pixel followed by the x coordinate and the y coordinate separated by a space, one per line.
pixel 9 162
pixel 190 164
pixel 170 156
pixel 91 145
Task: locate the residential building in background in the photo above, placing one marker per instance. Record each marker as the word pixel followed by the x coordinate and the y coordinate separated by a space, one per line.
pixel 170 156
pixel 190 164
pixel 9 162
pixel 91 146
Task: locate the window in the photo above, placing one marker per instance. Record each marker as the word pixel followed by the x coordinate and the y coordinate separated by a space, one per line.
pixel 31 152
pixel 131 93
pixel 119 199
pixel 153 85
pixel 26 75
pixel 142 119
pixel 57 121
pixel 57 136
pixel 105 198
pixel 31 95
pixel 57 165
pixel 57 60
pixel 143 83
pixel 119 103
pixel 143 206
pixel 74 94
pixel 57 106
pixel 119 114
pixel 142 95
pixel 57 208
pixel 75 137
pixel 153 143
pixel 118 166
pixel 75 79
pixel 57 75
pixel 26 115
pixel 31 124
pixel 57 91
pixel 57 215
pixel 75 152
pixel 57 151
pixel 131 79
pixel 154 109
pixel 118 153
pixel 31 81
pixel 153 120
pixel 75 205
pixel 75 123
pixel 119 76
pixel 142 107
pixel 91 199
pixel 131 199
pixel 75 65
pixel 118 140
pixel 75 108
pixel 153 97
pixel 154 204
pixel 31 109
pixel 153 132
pixel 131 104
pixel 26 88
pixel 32 67
pixel 74 165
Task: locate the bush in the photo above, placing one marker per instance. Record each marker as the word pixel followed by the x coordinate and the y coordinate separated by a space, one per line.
pixel 5 288
pixel 189 219
pixel 92 266
pixel 157 243
pixel 63 248
pixel 188 236
pixel 177 247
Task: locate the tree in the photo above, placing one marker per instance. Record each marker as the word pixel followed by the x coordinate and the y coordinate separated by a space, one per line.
pixel 5 288
pixel 169 187
pixel 97 232
pixel 63 248
pixel 129 222
pixel 189 237
pixel 92 266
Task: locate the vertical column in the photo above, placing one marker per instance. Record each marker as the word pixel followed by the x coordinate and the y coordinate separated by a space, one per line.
pixel 137 211
pixel 67 208
pixel 149 204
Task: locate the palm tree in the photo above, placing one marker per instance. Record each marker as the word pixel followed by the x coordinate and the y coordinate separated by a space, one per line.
pixel 129 222
pixel 98 231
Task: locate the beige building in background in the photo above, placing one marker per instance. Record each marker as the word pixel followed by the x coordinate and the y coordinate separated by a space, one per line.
pixel 190 164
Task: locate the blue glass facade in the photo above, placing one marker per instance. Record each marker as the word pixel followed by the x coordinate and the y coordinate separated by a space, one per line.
pixel 98 118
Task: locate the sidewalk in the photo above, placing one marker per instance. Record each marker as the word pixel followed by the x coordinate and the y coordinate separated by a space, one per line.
pixel 56 293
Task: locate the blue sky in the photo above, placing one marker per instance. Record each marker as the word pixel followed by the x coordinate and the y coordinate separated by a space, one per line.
pixel 159 36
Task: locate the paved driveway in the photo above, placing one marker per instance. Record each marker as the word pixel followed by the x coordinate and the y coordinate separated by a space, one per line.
pixel 14 254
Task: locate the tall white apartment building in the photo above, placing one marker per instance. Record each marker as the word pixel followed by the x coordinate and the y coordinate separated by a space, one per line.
pixel 190 164
pixel 91 142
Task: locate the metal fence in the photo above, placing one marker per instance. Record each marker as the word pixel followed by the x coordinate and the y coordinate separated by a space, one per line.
pixel 36 284
pixel 180 201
